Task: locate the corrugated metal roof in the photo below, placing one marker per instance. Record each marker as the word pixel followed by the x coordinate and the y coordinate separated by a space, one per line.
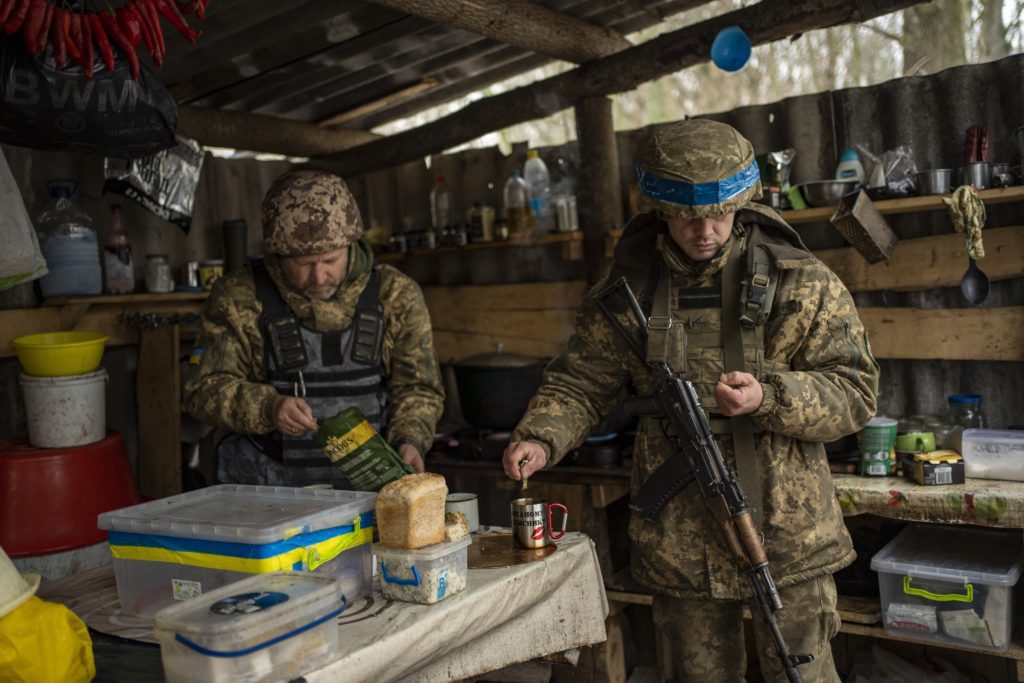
pixel 312 59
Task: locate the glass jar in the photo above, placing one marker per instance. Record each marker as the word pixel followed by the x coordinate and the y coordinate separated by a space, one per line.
pixel 158 274
pixel 963 412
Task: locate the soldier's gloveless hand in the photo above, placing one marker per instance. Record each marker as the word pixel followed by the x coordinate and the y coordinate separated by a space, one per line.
pixel 410 455
pixel 738 393
pixel 534 454
pixel 293 416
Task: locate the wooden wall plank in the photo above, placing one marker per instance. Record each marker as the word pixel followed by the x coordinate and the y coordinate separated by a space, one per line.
pixel 926 262
pixel 158 393
pixel 946 334
pixel 532 319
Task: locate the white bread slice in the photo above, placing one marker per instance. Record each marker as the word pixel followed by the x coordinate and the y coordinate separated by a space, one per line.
pixel 455 526
pixel 410 511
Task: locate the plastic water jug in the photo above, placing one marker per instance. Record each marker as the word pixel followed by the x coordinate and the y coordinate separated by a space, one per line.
pixel 69 245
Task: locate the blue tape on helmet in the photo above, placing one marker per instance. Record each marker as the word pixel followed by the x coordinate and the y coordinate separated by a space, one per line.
pixel 697 194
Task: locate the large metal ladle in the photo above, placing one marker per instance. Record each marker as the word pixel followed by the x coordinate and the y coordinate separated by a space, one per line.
pixel 974 283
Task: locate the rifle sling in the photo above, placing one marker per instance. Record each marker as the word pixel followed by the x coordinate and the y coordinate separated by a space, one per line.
pixel 734 334
pixel 671 477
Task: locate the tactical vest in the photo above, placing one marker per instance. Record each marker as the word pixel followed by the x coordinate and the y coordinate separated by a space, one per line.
pixel 332 371
pixel 702 332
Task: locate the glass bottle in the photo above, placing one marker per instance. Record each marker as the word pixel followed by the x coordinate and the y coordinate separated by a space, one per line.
pixel 118 266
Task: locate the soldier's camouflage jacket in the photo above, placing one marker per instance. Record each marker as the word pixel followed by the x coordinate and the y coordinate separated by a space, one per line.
pixel 820 383
pixel 228 386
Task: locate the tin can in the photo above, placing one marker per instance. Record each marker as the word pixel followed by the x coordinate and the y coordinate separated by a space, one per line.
pixel 191 278
pixel 210 272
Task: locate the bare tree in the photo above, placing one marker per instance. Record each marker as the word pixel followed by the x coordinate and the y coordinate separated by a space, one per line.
pixel 992 38
pixel 933 36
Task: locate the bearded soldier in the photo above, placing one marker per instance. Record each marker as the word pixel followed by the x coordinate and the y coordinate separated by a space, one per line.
pixel 771 340
pixel 315 328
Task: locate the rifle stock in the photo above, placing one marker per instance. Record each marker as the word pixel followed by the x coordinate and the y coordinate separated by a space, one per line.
pixel 677 405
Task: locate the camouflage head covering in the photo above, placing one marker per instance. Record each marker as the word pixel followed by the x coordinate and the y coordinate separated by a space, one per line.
pixel 309 212
pixel 696 168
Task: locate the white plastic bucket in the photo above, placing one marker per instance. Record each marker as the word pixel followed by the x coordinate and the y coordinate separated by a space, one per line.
pixel 66 411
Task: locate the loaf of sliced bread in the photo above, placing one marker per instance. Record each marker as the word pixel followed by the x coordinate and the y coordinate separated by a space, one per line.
pixel 410 511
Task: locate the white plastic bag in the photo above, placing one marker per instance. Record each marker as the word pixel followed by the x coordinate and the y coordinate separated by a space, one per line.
pixel 20 257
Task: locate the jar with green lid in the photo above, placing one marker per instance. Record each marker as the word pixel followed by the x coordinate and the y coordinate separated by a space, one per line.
pixel 366 459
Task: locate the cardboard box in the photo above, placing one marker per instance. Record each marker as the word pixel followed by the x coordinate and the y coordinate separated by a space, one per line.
pixel 935 468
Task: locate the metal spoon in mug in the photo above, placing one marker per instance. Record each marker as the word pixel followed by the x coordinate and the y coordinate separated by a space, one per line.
pixel 522 462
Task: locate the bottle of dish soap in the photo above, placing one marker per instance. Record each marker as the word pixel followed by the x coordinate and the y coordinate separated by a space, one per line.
pixel 849 167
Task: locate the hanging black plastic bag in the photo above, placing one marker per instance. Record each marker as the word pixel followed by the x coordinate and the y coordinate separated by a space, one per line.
pixel 58 110
pixel 165 182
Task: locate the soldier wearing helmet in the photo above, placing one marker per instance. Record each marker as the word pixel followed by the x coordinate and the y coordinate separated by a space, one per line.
pixel 772 342
pixel 314 328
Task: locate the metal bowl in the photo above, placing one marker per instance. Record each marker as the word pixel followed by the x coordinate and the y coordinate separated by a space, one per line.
pixel 826 192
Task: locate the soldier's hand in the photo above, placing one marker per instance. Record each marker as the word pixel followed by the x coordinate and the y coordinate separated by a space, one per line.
pixel 411 456
pixel 293 416
pixel 738 393
pixel 535 456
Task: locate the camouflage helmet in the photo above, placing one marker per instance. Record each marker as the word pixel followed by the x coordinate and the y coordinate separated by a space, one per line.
pixel 309 212
pixel 696 168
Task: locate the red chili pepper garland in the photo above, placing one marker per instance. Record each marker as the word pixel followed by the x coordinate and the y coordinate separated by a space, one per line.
pixel 73 35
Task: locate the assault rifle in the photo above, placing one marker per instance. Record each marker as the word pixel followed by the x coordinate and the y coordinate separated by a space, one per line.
pixel 676 403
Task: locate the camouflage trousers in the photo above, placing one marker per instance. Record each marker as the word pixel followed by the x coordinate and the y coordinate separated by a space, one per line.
pixel 708 646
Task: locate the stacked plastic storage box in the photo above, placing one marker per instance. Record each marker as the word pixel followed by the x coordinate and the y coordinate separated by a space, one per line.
pixel 187 545
pixel 951 585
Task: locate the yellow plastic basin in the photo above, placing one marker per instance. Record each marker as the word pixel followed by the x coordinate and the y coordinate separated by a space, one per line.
pixel 58 354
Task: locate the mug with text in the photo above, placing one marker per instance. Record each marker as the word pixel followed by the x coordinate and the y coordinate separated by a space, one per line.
pixel 531 522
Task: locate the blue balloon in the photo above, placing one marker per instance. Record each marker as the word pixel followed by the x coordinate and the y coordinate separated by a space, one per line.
pixel 731 49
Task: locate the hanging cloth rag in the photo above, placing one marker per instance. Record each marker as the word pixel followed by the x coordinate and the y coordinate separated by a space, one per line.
pixel 967 212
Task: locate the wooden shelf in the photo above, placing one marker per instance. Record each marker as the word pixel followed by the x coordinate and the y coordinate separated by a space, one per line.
pixel 908 205
pixel 566 238
pixel 126 298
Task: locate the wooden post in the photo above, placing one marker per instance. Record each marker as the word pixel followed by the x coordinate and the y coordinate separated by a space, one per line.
pixel 599 197
pixel 158 391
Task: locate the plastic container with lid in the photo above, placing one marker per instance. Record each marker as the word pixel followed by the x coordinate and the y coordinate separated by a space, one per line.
pixel 994 453
pixel 537 177
pixel 270 627
pixel 425 575
pixel 118 264
pixel 183 546
pixel 517 206
pixel 69 244
pixel 951 585
pixel 440 205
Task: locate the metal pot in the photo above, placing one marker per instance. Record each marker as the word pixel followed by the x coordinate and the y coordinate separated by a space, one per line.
pixel 935 181
pixel 978 174
pixel 495 388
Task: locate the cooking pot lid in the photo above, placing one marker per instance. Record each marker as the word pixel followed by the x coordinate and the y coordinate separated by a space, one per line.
pixel 499 359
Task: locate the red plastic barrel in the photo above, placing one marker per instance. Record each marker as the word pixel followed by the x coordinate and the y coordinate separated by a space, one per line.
pixel 50 497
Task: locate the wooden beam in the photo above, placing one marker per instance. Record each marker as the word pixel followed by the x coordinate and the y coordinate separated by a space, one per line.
pixel 765 22
pixel 520 23
pixel 946 333
pixel 927 262
pixel 362 110
pixel 256 132
pixel 600 197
